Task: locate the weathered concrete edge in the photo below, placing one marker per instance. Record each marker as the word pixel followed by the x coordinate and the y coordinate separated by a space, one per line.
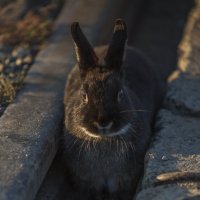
pixel 183 94
pixel 182 103
pixel 170 159
pixel 30 127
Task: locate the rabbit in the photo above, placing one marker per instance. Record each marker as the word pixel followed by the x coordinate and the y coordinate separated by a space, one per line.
pixel 111 97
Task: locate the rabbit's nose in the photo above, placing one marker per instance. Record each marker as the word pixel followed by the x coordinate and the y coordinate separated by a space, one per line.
pixel 104 125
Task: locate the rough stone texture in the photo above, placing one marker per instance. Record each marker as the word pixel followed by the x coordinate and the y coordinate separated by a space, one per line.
pixel 29 131
pixel 172 164
pixel 174 147
pixel 173 160
pixel 168 192
pixel 30 127
pixel 184 94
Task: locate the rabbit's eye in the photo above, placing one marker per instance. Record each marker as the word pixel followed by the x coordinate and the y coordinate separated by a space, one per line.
pixel 85 97
pixel 120 96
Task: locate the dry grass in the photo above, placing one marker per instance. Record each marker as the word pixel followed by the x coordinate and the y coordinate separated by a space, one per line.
pixel 7 91
pixel 32 30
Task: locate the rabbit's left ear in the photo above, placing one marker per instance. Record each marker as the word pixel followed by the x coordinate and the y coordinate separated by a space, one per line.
pixel 85 54
pixel 114 57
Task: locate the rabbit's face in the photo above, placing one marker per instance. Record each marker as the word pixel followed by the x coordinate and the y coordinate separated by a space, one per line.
pixel 103 101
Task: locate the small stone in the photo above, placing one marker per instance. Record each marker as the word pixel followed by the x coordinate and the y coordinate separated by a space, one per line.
pixel 9 59
pixel 164 158
pixel 11 75
pixel 19 62
pixel 20 52
pixel 151 156
pixel 26 67
pixel 14 53
pixel 28 60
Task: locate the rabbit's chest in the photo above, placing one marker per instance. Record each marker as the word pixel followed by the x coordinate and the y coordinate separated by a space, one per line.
pixel 103 172
pixel 106 183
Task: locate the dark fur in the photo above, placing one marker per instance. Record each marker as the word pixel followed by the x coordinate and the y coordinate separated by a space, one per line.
pixel 108 167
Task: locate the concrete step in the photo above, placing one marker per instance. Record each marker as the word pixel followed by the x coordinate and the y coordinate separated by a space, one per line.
pixel 31 127
pixel 172 166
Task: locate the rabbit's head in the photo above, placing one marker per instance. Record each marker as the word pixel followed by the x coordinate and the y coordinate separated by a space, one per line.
pixel 103 99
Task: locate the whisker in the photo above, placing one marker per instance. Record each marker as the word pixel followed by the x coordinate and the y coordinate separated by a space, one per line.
pixel 124 142
pixel 122 146
pixel 118 147
pixel 132 128
pixel 72 144
pixel 94 144
pixel 124 111
pixel 79 154
pixel 132 147
pixel 88 145
pixel 134 131
pixel 127 93
pixel 81 148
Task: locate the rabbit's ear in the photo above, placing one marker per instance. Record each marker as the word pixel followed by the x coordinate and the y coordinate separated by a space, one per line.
pixel 85 54
pixel 114 57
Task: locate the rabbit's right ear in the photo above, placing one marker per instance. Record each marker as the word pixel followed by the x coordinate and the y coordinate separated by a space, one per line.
pixel 115 53
pixel 85 54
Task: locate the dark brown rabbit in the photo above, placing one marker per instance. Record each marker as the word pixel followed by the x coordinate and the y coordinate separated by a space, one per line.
pixel 111 98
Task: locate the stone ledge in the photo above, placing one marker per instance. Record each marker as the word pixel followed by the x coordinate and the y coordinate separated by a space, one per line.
pixel 171 157
pixel 31 126
pixel 168 192
pixel 183 95
pixel 172 165
pixel 29 131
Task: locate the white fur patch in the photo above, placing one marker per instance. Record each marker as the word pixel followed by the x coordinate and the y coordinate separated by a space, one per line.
pixel 88 132
pixel 122 131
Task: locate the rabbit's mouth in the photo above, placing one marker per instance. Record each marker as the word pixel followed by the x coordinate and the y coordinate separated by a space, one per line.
pixel 106 132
